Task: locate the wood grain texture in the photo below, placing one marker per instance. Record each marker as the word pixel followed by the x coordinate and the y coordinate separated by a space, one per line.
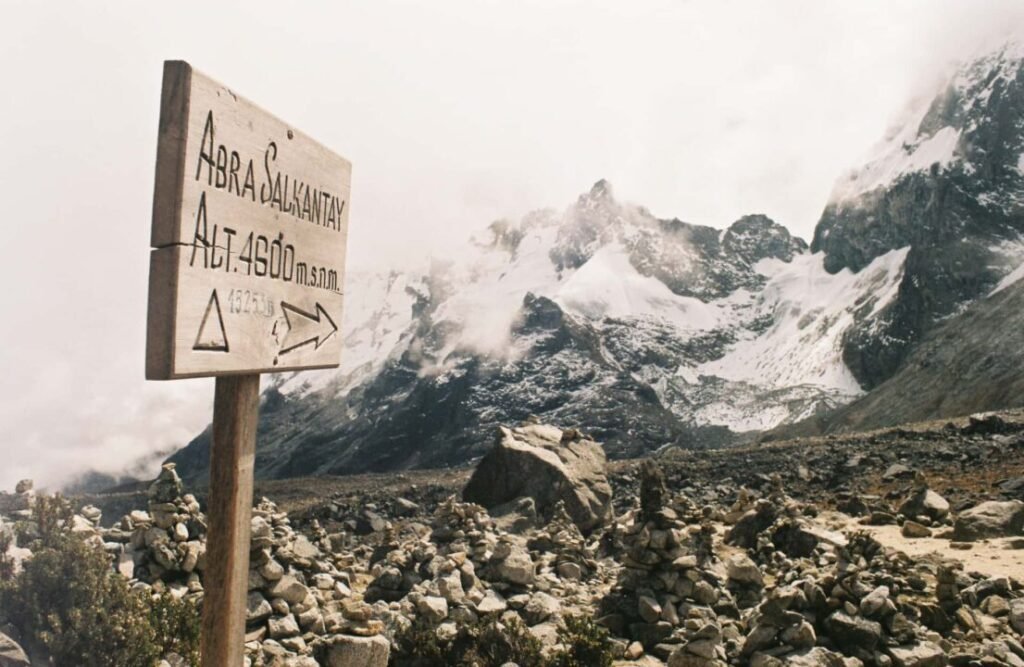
pixel 229 508
pixel 250 227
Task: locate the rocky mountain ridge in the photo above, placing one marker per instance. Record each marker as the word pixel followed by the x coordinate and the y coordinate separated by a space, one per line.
pixel 659 333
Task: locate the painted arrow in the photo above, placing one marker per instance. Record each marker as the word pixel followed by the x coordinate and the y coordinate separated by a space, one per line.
pixel 305 328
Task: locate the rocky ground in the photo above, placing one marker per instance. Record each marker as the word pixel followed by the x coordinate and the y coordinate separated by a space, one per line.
pixel 897 547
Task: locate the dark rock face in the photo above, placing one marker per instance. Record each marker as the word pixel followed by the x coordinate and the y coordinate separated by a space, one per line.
pixel 954 214
pixel 550 466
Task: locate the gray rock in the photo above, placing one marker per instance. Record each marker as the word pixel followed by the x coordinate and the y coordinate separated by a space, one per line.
pixel 852 633
pixel 257 609
pixel 166 488
pixel 289 589
pixel 348 651
pixel 548 465
pixel 913 529
pixel 989 519
pixel 433 609
pixel 925 502
pixel 285 626
pixel 516 568
pixel 11 654
pixel 541 607
pixel 897 471
pixel 1017 615
pixel 819 657
pixel 492 603
pixel 926 654
pixel 303 548
pixel 742 570
pixel 570 571
pixel 649 609
pixel 875 603
pixel 405 507
pixel 799 636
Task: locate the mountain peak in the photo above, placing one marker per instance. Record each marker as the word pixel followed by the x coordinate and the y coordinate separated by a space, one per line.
pixel 602 190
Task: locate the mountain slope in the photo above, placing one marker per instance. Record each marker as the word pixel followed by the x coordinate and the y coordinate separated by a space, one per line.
pixel 971 363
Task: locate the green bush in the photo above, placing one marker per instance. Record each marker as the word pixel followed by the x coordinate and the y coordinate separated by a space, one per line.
pixel 6 564
pixel 493 643
pixel 584 644
pixel 68 602
pixel 483 644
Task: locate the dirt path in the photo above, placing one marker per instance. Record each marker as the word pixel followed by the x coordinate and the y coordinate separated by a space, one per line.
pixel 1003 557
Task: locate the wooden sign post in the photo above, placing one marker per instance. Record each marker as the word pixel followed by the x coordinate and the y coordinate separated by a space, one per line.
pixel 250 221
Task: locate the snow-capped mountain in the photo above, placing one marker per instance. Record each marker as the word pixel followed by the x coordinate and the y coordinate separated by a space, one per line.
pixel 948 185
pixel 651 332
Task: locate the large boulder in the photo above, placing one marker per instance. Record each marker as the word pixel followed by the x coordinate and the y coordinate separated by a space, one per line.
pixel 990 519
pixel 549 465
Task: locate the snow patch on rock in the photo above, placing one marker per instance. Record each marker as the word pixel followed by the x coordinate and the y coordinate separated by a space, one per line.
pixel 810 310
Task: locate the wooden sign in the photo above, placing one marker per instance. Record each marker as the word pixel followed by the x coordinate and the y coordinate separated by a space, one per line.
pixel 250 221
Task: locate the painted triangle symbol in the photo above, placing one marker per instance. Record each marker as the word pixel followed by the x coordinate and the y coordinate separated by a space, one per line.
pixel 211 336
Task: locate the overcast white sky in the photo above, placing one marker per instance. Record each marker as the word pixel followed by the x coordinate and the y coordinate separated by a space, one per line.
pixel 453 114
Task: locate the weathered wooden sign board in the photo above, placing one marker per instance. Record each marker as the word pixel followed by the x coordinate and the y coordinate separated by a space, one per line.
pixel 250 221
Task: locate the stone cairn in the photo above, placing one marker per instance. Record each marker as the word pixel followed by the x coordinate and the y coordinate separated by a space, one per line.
pixel 300 605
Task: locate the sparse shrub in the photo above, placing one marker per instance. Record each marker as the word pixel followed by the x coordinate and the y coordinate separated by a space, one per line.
pixel 483 644
pixel 177 626
pixel 6 564
pixel 495 645
pixel 68 602
pixel 584 642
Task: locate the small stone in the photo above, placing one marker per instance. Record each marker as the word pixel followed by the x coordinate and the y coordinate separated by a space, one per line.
pixel 913 529
pixel 649 609
pixel 126 564
pixel 433 609
pixel 799 636
pixel 874 602
pixel 541 607
pixel 492 603
pixel 289 589
pixel 742 570
pixel 286 626
pixel 516 568
pixel 404 507
pixel 257 608
pixel 925 654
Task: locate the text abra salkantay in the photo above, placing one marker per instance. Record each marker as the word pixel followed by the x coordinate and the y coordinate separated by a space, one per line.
pixel 289 195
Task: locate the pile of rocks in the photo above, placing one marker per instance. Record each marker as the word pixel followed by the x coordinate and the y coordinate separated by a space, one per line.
pixel 668 594
pixel 468 569
pixel 164 547
pixel 691 571
pixel 300 603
